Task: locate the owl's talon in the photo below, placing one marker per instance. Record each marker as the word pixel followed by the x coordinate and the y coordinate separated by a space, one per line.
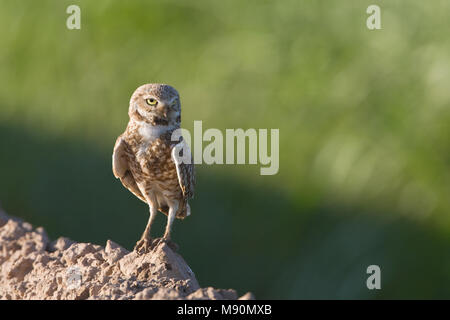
pixel 143 246
pixel 172 245
pixel 156 242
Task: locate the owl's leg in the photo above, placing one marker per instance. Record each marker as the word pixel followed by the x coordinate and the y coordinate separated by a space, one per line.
pixel 144 244
pixel 170 217
pixel 173 207
pixel 146 234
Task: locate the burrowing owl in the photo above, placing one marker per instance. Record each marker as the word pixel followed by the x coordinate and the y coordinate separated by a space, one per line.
pixel 146 161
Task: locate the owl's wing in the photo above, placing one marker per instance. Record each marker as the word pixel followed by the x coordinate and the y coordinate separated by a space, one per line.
pixel 121 169
pixel 185 169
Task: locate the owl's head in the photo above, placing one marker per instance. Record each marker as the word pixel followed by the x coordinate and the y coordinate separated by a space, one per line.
pixel 157 104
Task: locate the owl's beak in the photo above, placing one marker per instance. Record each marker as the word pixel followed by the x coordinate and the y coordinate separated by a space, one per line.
pixel 163 109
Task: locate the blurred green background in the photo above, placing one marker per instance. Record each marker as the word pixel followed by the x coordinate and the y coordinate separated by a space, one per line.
pixel 364 135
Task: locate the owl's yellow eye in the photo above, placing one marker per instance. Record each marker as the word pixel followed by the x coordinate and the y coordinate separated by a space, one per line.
pixel 151 101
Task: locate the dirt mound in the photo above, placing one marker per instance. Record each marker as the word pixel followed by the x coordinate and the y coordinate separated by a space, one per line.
pixel 32 267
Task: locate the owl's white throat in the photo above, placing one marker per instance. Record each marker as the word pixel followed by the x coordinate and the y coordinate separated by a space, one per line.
pixel 152 132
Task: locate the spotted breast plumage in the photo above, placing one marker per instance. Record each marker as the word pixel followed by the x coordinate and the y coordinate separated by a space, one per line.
pixel 147 157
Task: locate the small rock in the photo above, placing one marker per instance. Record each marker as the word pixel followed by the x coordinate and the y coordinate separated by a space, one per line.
pixel 114 252
pixel 61 244
pixel 146 294
pixel 166 294
pixel 213 294
pixel 247 296
pixel 20 268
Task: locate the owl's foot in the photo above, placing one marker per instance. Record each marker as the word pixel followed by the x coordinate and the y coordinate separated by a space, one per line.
pixel 172 245
pixel 143 246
